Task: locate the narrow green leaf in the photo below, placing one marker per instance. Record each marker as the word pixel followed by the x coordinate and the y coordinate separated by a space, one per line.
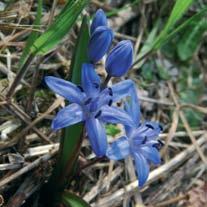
pixel 72 135
pixel 72 200
pixel 185 24
pixel 71 140
pixel 59 28
pixel 178 10
pixel 189 41
pixel 33 35
pixel 80 55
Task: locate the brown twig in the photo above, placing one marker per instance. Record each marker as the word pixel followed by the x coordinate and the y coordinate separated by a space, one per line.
pixel 25 118
pixel 154 175
pixel 171 201
pixel 171 132
pixel 19 76
pixel 27 168
pixel 186 125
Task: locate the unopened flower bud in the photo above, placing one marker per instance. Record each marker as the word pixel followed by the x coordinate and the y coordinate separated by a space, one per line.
pixel 99 43
pixel 120 59
pixel 98 20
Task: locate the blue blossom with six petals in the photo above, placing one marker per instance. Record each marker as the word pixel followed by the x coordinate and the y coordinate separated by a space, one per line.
pixel 89 103
pixel 140 142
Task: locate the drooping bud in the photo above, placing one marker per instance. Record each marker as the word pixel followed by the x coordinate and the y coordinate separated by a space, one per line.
pixel 120 59
pixel 99 43
pixel 98 20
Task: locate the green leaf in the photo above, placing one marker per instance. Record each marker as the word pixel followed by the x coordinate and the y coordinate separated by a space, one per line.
pixel 179 9
pixel 189 41
pixel 147 71
pixel 72 200
pixel 72 135
pixel 112 130
pixel 183 26
pixel 61 26
pixel 163 72
pixel 81 52
pixel 33 35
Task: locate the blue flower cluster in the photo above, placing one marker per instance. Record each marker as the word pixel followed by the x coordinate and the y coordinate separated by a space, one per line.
pixel 92 103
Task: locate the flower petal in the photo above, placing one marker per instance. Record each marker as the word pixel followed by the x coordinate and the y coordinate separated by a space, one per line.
pixel 119 149
pixel 151 154
pixel 114 115
pixel 67 116
pixel 98 20
pixel 142 168
pixel 97 136
pixel 65 88
pixel 90 81
pixel 125 89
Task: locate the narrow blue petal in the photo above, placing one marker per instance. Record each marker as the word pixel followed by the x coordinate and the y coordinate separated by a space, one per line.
pixel 65 89
pixel 151 154
pixel 98 20
pixel 119 149
pixel 67 116
pixel 129 130
pixel 120 59
pixel 114 115
pixel 97 136
pixel 99 43
pixel 125 89
pixel 142 168
pixel 90 81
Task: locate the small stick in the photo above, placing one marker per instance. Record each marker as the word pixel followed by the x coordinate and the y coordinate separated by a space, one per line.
pixel 154 175
pixel 186 125
pixel 198 108
pixel 97 189
pixel 103 5
pixel 171 132
pixel 27 168
pixel 171 201
pixel 19 76
pixel 26 189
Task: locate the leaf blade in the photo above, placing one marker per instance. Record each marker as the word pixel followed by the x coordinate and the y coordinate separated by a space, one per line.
pixel 72 200
pixel 33 36
pixel 59 28
pixel 189 41
pixel 178 10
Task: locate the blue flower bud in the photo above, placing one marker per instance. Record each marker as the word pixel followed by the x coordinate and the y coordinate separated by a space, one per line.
pixel 99 43
pixel 120 59
pixel 98 20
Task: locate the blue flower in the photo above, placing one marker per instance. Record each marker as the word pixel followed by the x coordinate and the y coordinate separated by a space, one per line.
pixel 120 59
pixel 140 142
pixel 99 43
pixel 89 104
pixel 98 20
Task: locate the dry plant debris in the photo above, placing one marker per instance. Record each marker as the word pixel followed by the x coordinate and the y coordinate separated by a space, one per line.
pixel 171 90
